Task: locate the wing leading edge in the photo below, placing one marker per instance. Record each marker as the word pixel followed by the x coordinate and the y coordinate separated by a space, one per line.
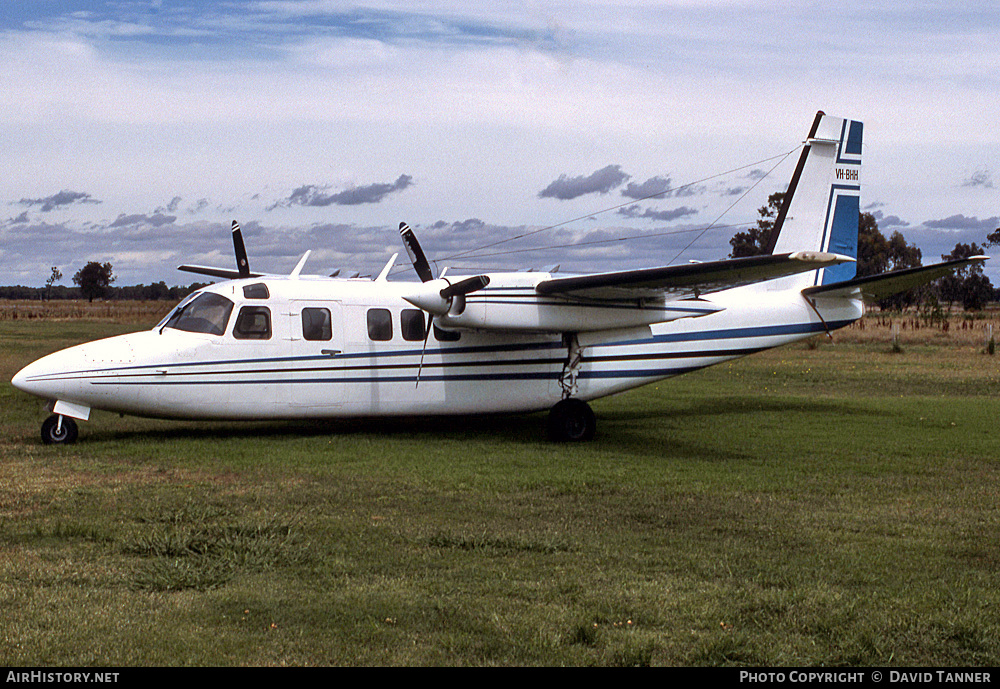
pixel 690 279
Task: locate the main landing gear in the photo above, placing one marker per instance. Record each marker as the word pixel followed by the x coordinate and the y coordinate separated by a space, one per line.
pixel 572 420
pixel 59 430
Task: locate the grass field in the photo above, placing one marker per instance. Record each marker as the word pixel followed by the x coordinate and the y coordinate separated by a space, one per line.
pixel 821 504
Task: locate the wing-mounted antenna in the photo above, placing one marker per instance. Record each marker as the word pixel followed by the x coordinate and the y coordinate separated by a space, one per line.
pixel 294 275
pixel 384 275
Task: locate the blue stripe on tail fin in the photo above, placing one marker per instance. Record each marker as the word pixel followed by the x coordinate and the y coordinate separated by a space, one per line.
pixel 843 237
pixel 854 137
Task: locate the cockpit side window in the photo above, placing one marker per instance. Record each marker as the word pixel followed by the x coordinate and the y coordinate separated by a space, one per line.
pixel 253 323
pixel 207 313
pixel 258 290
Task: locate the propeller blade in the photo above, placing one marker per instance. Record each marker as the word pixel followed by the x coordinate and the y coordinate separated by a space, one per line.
pixel 466 286
pixel 242 263
pixel 420 263
pixel 427 335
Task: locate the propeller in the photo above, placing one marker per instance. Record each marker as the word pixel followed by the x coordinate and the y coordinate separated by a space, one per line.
pixel 420 263
pixel 242 263
pixel 436 299
pixel 463 287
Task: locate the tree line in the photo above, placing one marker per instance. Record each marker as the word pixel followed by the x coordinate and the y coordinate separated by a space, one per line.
pixel 877 254
pixel 95 281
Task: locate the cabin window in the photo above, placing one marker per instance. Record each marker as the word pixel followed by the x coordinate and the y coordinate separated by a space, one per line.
pixel 379 324
pixel 256 291
pixel 253 323
pixel 412 325
pixel 207 313
pixel 446 335
pixel 316 324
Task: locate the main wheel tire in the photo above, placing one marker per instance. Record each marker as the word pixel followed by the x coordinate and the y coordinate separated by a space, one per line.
pixel 572 420
pixel 54 433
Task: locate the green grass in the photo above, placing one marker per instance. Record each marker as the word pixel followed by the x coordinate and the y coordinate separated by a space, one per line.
pixel 833 505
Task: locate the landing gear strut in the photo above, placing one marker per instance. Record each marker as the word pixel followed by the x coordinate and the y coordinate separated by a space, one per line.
pixel 572 420
pixel 59 430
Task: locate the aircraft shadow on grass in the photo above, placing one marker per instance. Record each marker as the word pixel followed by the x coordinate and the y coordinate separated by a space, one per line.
pixel 652 432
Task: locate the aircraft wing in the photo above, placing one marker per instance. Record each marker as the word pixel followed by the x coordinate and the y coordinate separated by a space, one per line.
pixel 876 287
pixel 691 279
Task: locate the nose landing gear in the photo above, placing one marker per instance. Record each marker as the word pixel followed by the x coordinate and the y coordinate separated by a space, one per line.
pixel 59 430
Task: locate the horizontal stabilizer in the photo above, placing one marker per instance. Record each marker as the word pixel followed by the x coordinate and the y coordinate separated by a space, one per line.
pixel 876 287
pixel 685 280
pixel 226 274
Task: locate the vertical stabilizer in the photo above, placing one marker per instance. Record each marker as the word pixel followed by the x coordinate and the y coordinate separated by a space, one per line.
pixel 822 204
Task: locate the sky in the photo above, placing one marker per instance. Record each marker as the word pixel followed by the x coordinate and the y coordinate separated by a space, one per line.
pixel 508 135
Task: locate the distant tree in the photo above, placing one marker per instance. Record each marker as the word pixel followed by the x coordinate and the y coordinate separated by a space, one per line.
pixel 94 279
pixel 977 292
pixel 155 291
pixel 754 241
pixel 873 248
pixel 966 285
pixel 55 277
pixel 993 238
pixel 177 293
pixel 901 254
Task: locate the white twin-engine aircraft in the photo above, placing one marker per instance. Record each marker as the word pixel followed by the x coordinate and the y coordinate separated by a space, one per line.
pixel 298 346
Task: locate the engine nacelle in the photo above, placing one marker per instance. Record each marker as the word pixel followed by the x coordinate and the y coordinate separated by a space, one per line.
pixel 535 313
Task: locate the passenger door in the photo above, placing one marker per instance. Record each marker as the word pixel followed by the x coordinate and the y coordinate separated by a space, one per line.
pixel 317 347
pixel 259 342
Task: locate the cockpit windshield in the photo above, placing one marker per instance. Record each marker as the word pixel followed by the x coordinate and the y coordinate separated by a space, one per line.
pixel 205 313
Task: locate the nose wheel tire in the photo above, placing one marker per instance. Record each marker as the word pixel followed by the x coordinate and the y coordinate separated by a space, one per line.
pixel 59 430
pixel 572 420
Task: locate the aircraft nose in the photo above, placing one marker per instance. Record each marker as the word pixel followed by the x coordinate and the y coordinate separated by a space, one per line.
pixel 19 380
pixel 50 377
pixel 70 373
pixel 26 380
